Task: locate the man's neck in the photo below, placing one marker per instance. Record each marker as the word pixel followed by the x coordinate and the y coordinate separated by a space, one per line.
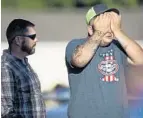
pixel 18 54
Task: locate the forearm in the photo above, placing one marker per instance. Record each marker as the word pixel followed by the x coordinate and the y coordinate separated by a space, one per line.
pixel 133 50
pixel 84 53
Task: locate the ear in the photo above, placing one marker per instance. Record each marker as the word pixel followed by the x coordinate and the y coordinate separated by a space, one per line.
pixel 18 41
pixel 90 30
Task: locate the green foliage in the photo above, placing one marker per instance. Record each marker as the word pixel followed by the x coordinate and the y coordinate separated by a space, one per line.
pixel 9 3
pixel 59 3
pixel 132 3
pixel 90 2
pixel 39 4
pixel 23 4
pixel 30 4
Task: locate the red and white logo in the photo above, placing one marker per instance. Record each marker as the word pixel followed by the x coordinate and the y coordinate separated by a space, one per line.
pixel 108 67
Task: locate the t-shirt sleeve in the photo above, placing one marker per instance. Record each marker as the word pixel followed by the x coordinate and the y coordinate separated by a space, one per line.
pixel 71 46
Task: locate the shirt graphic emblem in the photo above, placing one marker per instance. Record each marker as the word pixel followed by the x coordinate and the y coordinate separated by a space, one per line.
pixel 108 67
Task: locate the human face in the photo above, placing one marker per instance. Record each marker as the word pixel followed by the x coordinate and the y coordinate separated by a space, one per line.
pixel 29 41
pixel 107 39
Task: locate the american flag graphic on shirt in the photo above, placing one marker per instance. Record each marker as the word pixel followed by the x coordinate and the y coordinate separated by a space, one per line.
pixel 108 67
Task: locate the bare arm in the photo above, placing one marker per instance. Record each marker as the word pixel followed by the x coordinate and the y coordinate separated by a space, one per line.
pixel 133 50
pixel 84 53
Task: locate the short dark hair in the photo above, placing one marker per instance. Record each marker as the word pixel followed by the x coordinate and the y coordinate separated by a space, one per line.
pixel 17 27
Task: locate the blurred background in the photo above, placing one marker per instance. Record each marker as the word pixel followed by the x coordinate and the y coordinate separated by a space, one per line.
pixel 58 22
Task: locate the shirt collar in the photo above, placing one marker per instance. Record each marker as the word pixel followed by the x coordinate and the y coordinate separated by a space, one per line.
pixel 9 56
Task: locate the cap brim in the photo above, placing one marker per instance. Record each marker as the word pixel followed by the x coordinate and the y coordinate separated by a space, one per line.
pixel 109 10
pixel 114 10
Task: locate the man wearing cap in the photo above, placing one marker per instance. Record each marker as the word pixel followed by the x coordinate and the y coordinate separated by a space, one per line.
pixel 96 66
pixel 21 95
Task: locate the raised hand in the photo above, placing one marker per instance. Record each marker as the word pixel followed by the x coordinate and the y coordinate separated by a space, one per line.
pixel 102 23
pixel 115 22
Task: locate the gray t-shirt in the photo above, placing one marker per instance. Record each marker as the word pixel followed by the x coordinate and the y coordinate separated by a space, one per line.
pixel 98 90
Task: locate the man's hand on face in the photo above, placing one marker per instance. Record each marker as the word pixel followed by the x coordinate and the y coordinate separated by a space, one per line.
pixel 115 22
pixel 102 23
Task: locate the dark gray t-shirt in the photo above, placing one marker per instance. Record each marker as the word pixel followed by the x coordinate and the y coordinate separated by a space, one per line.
pixel 98 90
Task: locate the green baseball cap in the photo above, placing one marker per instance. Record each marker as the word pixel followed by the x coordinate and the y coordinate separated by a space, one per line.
pixel 97 10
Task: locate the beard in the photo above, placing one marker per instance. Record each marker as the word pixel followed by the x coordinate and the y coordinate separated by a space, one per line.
pixel 27 48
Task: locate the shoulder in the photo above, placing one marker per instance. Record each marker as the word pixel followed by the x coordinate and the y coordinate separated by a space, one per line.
pixel 5 66
pixel 6 62
pixel 5 57
pixel 76 42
